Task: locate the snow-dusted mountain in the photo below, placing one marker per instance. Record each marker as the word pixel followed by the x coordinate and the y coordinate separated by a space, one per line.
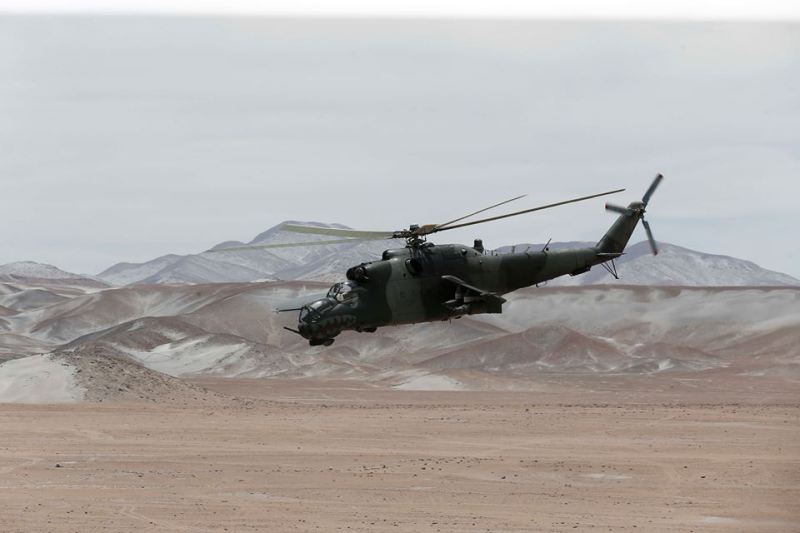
pixel 675 265
pixel 31 269
pixel 32 273
pixel 322 262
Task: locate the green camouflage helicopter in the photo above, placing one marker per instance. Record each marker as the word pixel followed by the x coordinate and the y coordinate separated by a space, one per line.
pixel 425 282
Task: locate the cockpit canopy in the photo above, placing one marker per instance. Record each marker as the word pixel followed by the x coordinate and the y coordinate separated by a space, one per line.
pixel 344 292
pixel 314 310
pixel 341 293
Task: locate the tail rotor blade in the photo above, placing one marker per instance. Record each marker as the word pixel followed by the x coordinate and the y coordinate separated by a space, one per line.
pixel 652 189
pixel 650 237
pixel 618 209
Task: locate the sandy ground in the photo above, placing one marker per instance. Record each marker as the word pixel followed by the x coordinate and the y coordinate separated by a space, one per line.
pixel 317 456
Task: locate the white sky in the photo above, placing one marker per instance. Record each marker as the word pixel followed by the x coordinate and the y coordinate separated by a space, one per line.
pixel 126 138
pixel 595 9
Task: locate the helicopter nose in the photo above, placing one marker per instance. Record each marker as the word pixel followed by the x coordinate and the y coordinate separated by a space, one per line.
pixel 305 330
pixel 314 318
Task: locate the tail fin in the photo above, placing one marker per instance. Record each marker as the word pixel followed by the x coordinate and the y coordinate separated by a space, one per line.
pixel 616 238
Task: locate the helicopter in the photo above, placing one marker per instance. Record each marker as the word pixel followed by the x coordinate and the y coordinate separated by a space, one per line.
pixel 426 282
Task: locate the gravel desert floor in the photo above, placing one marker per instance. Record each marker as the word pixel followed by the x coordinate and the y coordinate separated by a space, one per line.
pixel 293 455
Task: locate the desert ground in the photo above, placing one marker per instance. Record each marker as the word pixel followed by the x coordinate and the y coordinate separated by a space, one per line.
pixel 672 452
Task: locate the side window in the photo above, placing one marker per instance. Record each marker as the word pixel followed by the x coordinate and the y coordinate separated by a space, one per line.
pixel 334 290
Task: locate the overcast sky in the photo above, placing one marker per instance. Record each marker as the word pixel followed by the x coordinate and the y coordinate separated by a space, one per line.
pixel 123 138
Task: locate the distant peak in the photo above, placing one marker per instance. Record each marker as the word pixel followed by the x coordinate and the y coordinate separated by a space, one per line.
pixel 271 232
pixel 32 269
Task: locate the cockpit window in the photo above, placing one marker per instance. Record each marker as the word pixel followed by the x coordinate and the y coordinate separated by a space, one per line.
pixel 320 305
pixel 314 311
pixel 343 292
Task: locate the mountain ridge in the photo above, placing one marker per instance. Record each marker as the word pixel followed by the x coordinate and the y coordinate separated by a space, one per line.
pixel 675 265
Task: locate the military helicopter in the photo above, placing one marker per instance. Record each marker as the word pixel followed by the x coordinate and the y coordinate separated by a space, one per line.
pixel 425 282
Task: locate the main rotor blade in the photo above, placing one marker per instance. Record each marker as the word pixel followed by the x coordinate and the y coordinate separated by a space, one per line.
pixel 439 226
pixel 548 206
pixel 338 232
pixel 652 189
pixel 286 245
pixel 650 237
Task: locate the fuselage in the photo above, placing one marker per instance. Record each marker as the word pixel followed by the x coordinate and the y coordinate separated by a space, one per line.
pixel 411 285
pixel 424 282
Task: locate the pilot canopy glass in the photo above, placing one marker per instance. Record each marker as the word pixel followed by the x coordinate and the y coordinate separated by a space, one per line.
pixel 315 310
pixel 344 292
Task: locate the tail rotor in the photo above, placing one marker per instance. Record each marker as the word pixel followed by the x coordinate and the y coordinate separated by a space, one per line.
pixel 638 209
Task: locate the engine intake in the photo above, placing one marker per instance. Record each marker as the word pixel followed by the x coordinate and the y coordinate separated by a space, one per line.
pixel 358 273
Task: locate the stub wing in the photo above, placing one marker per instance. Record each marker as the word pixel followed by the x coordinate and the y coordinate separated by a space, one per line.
pixel 470 294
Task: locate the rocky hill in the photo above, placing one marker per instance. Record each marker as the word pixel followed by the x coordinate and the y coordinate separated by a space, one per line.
pixel 231 329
